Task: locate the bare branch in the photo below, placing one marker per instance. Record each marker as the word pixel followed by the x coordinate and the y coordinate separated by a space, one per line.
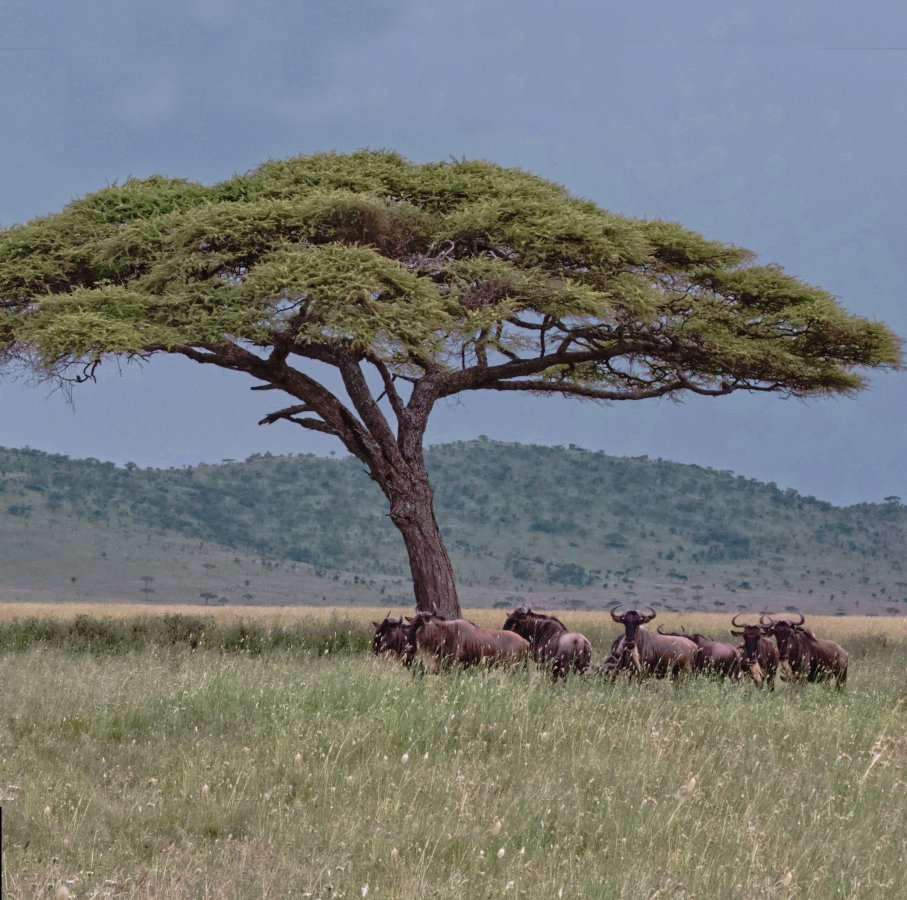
pixel 337 419
pixel 571 389
pixel 315 425
pixel 357 388
pixel 390 390
pixel 287 413
pixel 478 377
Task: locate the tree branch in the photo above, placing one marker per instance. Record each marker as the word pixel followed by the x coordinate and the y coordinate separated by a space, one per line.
pixel 489 376
pixel 569 389
pixel 287 413
pixel 390 389
pixel 337 419
pixel 358 390
pixel 316 425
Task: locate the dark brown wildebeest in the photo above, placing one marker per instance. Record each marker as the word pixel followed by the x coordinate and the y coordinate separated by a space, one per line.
pixel 610 665
pixel 552 645
pixel 712 657
pixel 760 655
pixel 651 654
pixel 804 656
pixel 390 637
pixel 459 642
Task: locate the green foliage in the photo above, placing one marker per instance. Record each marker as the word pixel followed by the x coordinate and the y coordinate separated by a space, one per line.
pixel 420 265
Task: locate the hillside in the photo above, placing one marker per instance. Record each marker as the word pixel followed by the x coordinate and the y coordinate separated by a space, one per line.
pixel 558 526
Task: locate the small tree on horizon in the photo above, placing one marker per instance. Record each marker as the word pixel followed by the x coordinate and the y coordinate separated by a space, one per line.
pixel 412 283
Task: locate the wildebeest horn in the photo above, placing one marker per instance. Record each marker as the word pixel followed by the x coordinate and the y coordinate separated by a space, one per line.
pixel 650 615
pixel 737 624
pixel 614 614
pixel 659 630
pixel 802 618
pixel 763 616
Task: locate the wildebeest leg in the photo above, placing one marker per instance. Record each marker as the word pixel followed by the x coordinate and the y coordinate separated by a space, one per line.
pixel 417 667
pixel 636 663
pixel 677 670
pixel 558 672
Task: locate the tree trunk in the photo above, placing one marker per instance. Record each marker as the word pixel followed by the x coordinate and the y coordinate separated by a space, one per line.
pixel 412 511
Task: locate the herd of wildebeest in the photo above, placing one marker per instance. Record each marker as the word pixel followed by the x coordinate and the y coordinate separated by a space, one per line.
pixel 796 653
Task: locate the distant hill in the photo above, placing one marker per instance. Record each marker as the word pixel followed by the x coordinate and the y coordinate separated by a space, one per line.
pixel 557 526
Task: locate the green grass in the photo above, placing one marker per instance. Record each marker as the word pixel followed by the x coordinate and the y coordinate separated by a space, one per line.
pixel 108 635
pixel 166 772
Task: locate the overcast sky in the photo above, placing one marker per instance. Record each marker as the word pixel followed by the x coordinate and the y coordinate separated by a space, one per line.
pixel 778 126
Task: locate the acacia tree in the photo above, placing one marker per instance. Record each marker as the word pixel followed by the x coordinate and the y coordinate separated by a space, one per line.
pixel 413 283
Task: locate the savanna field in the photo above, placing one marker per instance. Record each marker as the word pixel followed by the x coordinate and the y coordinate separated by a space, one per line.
pixel 266 753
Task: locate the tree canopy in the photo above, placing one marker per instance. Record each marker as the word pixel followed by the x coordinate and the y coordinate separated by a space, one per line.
pixel 488 277
pixel 436 279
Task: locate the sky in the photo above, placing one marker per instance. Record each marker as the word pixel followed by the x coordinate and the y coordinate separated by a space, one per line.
pixel 777 126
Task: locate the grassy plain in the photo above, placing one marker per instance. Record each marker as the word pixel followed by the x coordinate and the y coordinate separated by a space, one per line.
pixel 164 772
pixel 562 527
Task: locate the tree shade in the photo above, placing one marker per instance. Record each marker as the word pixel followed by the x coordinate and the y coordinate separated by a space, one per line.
pixel 414 282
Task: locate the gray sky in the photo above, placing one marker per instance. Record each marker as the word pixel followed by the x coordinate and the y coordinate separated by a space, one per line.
pixel 779 126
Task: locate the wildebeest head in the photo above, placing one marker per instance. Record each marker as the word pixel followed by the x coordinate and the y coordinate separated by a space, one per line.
pixel 415 623
pixel 534 627
pixel 631 620
pixel 390 635
pixel 759 658
pixel 517 618
pixel 784 631
pixel 750 635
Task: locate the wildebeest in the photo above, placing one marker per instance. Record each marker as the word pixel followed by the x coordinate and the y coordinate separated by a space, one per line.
pixel 390 637
pixel 459 642
pixel 651 654
pixel 611 664
pixel 712 657
pixel 804 656
pixel 760 655
pixel 552 645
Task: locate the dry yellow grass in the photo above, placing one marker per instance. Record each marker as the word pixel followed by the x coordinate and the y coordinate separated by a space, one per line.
pixel 839 627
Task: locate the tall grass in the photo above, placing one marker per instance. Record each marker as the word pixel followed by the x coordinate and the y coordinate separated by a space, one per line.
pixel 162 771
pixel 192 632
